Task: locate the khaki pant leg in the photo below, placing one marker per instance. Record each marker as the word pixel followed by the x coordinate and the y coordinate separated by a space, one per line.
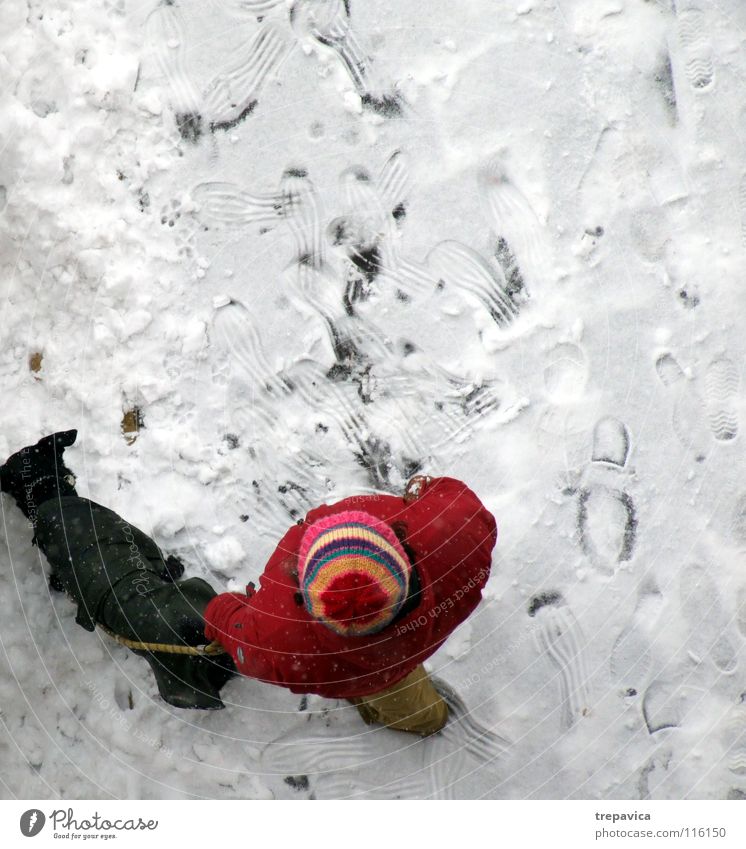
pixel 412 704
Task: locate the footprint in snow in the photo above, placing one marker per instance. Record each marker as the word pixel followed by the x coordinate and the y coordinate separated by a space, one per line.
pixel 566 373
pixel 696 418
pixel 668 370
pixel 561 638
pixel 738 521
pixel 719 404
pixel 666 704
pixel 696 47
pixel 606 514
pixel 702 610
pixel 611 442
pixel 655 770
pixel 721 399
pixel 742 208
pixel 562 424
pixel 735 739
pixel 632 654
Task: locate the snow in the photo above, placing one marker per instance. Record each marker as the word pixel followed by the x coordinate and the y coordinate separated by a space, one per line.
pixel 557 202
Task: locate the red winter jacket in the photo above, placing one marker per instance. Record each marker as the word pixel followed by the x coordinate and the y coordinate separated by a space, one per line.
pixel 272 637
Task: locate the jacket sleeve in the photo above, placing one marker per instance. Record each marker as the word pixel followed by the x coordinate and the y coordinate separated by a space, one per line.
pixel 251 627
pixel 454 535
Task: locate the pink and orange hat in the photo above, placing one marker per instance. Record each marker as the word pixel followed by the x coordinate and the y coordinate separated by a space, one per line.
pixel 353 573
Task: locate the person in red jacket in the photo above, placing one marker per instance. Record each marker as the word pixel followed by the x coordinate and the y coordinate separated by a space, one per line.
pixel 358 594
pixel 355 597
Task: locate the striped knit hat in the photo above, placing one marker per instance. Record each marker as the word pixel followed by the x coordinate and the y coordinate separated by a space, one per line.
pixel 353 573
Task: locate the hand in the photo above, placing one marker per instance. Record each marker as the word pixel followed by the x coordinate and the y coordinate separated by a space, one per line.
pixel 173 568
pixel 415 487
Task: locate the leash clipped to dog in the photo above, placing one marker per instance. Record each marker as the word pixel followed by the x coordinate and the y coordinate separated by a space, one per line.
pixel 205 650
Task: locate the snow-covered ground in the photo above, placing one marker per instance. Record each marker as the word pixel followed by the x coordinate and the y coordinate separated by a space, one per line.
pixel 497 239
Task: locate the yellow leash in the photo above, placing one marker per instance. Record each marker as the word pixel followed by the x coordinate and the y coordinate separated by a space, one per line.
pixel 209 649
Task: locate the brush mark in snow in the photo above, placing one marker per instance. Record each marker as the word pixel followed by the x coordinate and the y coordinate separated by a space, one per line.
pixel 515 285
pixel 339 764
pixel 464 747
pixel 385 105
pixel 458 266
pixel 702 610
pixel 413 279
pixel 721 399
pixel 446 765
pixel 663 79
pixel 371 451
pixel 365 233
pixel 225 204
pixel 356 341
pixel 462 728
pixel 453 409
pixel 238 336
pixel 394 183
pixel 233 94
pixel 360 231
pixel 254 395
pixel 327 22
pixel 302 210
pixel 256 7
pixel 165 42
pixel 560 636
pixel 514 220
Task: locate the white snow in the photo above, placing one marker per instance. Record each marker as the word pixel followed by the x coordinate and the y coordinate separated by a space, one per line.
pixel 559 207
